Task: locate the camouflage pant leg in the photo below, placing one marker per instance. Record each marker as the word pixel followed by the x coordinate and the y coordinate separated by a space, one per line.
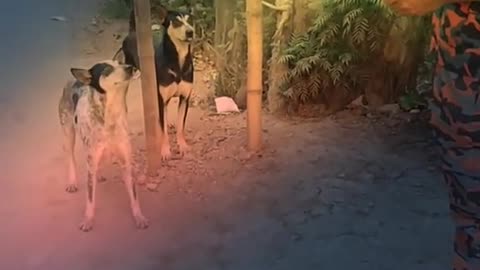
pixel 466 255
pixel 455 120
pixel 460 154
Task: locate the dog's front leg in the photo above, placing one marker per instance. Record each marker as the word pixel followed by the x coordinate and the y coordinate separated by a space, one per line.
pixel 162 111
pixel 93 159
pixel 126 152
pixel 69 149
pixel 181 120
pixel 185 89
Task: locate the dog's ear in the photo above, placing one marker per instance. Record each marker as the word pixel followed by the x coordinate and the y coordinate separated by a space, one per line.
pixel 82 75
pixel 157 11
pixel 161 12
pixel 189 10
pixel 119 56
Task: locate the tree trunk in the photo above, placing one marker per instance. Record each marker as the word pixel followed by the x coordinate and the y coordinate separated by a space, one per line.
pixel 128 3
pixel 401 60
pixel 224 18
pixel 224 61
pixel 277 71
pixel 300 16
pixel 148 81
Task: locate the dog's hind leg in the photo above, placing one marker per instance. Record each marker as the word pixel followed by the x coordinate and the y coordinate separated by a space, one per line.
pixel 93 159
pixel 69 149
pixel 125 149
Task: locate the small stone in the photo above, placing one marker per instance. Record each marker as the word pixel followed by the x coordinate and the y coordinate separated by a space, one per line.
pixel 367 176
pixel 414 111
pixel 141 179
pixel 296 237
pixel 363 212
pixel 297 218
pixel 395 174
pixel 244 156
pixel 420 261
pixel 58 18
pixel 358 102
pixel 318 211
pixel 389 108
pixel 152 187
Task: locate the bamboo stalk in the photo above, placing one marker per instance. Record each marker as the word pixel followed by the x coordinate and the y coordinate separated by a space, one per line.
pixel 148 80
pixel 254 73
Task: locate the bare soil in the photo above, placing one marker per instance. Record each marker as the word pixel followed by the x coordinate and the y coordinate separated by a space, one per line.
pixel 355 190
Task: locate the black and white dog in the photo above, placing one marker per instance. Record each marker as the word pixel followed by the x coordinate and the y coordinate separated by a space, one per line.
pixel 173 64
pixel 93 108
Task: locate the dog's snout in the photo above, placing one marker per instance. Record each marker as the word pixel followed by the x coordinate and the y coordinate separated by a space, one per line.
pixel 189 33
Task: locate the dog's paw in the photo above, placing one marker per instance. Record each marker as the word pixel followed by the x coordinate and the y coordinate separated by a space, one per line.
pixel 165 153
pixel 71 188
pixel 86 225
pixel 141 222
pixel 183 148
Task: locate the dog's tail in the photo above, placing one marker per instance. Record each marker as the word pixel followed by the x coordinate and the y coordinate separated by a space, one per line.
pixel 119 55
pixel 131 21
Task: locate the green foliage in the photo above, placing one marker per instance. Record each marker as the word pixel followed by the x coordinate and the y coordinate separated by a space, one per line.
pixel 232 72
pixel 412 100
pixel 415 98
pixel 344 35
pixel 344 48
pixel 205 21
pixel 232 76
pixel 115 9
pixel 424 82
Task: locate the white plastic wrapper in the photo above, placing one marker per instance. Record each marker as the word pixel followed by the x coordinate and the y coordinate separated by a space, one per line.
pixel 226 105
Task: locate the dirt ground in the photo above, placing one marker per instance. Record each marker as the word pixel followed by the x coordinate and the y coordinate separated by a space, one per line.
pixel 349 191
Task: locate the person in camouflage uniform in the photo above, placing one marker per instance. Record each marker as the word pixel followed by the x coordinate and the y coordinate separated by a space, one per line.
pixel 455 113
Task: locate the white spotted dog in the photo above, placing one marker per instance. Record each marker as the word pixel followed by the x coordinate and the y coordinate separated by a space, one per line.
pixel 174 68
pixel 94 107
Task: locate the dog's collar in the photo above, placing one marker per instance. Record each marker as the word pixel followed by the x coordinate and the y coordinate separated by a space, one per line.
pixel 99 90
pixel 96 86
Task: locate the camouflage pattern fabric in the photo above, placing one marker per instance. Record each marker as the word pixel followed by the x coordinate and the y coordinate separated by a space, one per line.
pixel 456 121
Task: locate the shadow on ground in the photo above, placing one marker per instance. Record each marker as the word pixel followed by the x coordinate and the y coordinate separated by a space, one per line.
pixel 334 194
